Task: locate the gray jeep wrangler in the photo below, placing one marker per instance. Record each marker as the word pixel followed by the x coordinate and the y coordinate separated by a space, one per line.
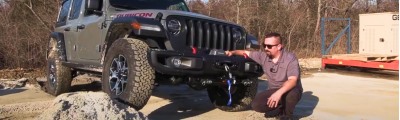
pixel 134 43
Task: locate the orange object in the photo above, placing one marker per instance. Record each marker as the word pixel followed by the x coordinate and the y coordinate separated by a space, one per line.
pixel 135 25
pixel 386 65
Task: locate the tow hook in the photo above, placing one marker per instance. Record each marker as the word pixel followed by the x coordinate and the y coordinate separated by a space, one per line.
pixel 223 64
pixel 247 82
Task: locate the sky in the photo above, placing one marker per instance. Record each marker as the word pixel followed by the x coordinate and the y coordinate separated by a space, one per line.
pixel 1 3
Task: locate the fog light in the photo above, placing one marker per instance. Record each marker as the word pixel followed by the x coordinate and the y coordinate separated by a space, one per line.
pixel 177 62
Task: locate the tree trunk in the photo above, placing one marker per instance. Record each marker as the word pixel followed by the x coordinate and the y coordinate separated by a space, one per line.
pixel 258 18
pixel 34 13
pixel 318 18
pixel 238 11
pixel 378 4
pixel 210 5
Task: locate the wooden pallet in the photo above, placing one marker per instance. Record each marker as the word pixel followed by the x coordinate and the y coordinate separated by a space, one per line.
pixel 363 57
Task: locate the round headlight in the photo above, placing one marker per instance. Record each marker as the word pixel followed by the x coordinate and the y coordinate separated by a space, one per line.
pixel 237 35
pixel 174 26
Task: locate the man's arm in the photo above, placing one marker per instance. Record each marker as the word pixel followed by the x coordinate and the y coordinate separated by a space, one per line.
pixel 293 71
pixel 237 52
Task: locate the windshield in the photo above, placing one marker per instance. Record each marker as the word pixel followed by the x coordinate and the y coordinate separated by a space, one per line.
pixel 150 4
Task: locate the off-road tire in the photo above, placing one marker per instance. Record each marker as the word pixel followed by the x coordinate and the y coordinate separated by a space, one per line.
pixel 58 76
pixel 241 98
pixel 139 75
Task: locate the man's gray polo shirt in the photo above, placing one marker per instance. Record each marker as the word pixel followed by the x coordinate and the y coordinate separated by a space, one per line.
pixel 278 73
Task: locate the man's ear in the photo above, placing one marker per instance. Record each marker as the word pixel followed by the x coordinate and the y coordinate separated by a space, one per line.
pixel 280 46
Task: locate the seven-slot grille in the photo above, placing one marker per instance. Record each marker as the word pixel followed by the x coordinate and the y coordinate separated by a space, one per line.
pixel 210 35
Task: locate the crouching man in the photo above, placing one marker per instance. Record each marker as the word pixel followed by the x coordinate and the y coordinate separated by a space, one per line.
pixel 283 73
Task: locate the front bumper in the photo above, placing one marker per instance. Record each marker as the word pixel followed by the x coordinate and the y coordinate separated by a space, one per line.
pixel 201 64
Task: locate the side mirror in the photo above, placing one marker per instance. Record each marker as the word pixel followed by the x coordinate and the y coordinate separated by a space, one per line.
pixel 252 42
pixel 94 6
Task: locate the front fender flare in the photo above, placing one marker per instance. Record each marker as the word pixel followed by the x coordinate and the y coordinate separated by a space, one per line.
pixel 124 25
pixel 59 38
pixel 121 27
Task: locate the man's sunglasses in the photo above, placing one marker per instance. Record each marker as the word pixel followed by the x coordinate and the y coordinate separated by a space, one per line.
pixel 268 46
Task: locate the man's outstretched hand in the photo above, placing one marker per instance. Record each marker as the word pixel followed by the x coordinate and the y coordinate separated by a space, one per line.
pixel 228 53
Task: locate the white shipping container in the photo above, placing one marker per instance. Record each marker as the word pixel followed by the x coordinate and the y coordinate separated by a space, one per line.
pixel 379 33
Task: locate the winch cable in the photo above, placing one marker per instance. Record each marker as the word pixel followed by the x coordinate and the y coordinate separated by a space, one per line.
pixel 229 92
pixel 230 79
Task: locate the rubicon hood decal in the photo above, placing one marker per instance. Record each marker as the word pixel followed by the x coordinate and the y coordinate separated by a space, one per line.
pixel 138 14
pixel 152 13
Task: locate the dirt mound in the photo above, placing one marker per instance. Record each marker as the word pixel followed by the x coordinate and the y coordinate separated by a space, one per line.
pixel 89 105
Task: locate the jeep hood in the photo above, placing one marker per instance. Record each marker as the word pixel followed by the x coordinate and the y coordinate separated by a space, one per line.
pixel 152 13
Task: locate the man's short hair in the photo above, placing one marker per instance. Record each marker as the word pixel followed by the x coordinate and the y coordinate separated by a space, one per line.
pixel 274 34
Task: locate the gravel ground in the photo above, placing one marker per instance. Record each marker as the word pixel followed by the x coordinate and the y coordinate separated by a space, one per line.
pixel 326 95
pixel 330 94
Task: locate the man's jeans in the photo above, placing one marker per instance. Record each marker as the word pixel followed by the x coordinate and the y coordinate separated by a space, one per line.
pixel 286 104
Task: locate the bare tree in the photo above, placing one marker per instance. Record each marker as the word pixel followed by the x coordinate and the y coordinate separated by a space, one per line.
pixel 25 24
pixel 23 40
pixel 238 6
pixel 29 5
pixel 318 17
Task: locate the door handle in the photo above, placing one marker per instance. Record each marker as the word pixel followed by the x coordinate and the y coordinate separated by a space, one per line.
pixel 81 26
pixel 67 29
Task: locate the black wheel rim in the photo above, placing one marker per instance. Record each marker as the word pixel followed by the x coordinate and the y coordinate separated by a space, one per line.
pixel 221 95
pixel 52 73
pixel 118 75
pixel 224 89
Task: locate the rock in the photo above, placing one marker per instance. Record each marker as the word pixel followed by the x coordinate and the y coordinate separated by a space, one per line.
pixel 11 84
pixel 310 63
pixel 22 82
pixel 89 105
pixel 41 79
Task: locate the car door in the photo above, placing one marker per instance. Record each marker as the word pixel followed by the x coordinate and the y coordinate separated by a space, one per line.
pixel 91 36
pixel 64 25
pixel 72 28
